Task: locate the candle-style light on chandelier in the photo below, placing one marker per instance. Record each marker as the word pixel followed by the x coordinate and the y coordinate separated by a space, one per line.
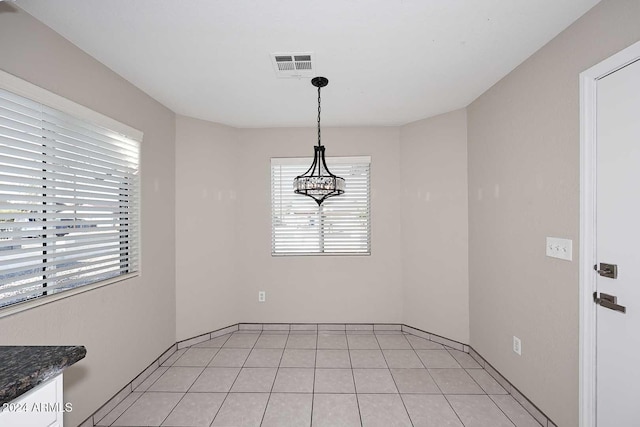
pixel 318 182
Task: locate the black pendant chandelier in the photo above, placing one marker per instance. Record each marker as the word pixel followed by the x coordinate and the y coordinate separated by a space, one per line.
pixel 318 182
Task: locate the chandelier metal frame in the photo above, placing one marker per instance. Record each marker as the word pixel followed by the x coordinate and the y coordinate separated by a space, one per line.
pixel 318 182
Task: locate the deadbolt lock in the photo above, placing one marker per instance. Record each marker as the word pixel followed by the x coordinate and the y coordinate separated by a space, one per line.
pixel 607 270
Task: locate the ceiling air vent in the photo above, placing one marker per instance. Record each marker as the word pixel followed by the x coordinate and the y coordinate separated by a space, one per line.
pixel 293 64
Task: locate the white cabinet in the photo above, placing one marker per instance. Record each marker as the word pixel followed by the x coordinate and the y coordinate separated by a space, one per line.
pixel 41 406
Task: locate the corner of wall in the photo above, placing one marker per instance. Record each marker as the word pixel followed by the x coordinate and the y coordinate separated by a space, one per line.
pixel 434 222
pixel 206 193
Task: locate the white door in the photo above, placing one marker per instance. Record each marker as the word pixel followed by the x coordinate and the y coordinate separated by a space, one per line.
pixel 618 242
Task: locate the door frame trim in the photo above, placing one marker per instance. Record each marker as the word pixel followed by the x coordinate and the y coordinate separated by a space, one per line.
pixel 587 357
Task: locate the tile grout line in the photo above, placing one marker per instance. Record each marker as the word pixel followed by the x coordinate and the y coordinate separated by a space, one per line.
pixel 509 390
pixel 174 407
pixel 482 388
pixel 236 378
pixel 427 369
pixel 130 385
pixel 298 392
pixel 513 423
pixel 96 423
pixel 113 422
pixel 465 371
pixel 205 368
pixel 355 387
pixel 477 383
pixel 142 392
pixel 313 389
pixel 507 415
pixel 146 391
pixel 393 378
pixel 436 383
pixel 194 381
pixel 275 377
pixel 93 420
pixel 452 408
pixel 333 392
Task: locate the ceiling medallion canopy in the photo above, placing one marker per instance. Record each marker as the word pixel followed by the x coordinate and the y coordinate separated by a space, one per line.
pixel 318 182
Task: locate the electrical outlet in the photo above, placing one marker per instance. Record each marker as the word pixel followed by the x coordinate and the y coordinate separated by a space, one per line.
pixel 262 296
pixel 517 346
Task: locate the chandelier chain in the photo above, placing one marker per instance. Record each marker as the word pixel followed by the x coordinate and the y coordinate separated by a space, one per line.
pixel 319 143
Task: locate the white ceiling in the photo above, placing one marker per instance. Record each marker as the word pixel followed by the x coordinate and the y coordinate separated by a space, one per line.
pixel 389 62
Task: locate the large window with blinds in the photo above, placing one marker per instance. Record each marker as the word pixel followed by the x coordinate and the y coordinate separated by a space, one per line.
pixel 69 201
pixel 340 226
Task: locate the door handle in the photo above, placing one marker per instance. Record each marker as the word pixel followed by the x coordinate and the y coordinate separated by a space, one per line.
pixel 609 301
pixel 607 270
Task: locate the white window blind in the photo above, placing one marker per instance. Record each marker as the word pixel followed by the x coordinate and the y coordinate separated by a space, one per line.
pixel 69 201
pixel 341 225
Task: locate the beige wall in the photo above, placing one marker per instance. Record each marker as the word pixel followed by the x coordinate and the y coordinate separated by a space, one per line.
pixel 433 158
pixel 419 247
pixel 206 175
pixel 523 186
pixel 124 326
pixel 318 288
pixel 223 219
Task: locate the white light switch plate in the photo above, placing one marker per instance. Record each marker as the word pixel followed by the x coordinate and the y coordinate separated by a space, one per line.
pixel 560 248
pixel 517 346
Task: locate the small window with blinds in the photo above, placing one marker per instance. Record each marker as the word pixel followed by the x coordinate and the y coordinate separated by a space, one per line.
pixel 340 226
pixel 69 201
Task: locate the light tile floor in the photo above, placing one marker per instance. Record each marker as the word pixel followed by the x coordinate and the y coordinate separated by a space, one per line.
pixel 281 379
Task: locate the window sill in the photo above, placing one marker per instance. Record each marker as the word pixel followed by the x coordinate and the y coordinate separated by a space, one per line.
pixel 33 303
pixel 295 254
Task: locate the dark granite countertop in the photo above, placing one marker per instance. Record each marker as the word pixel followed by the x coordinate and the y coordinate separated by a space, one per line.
pixel 24 367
